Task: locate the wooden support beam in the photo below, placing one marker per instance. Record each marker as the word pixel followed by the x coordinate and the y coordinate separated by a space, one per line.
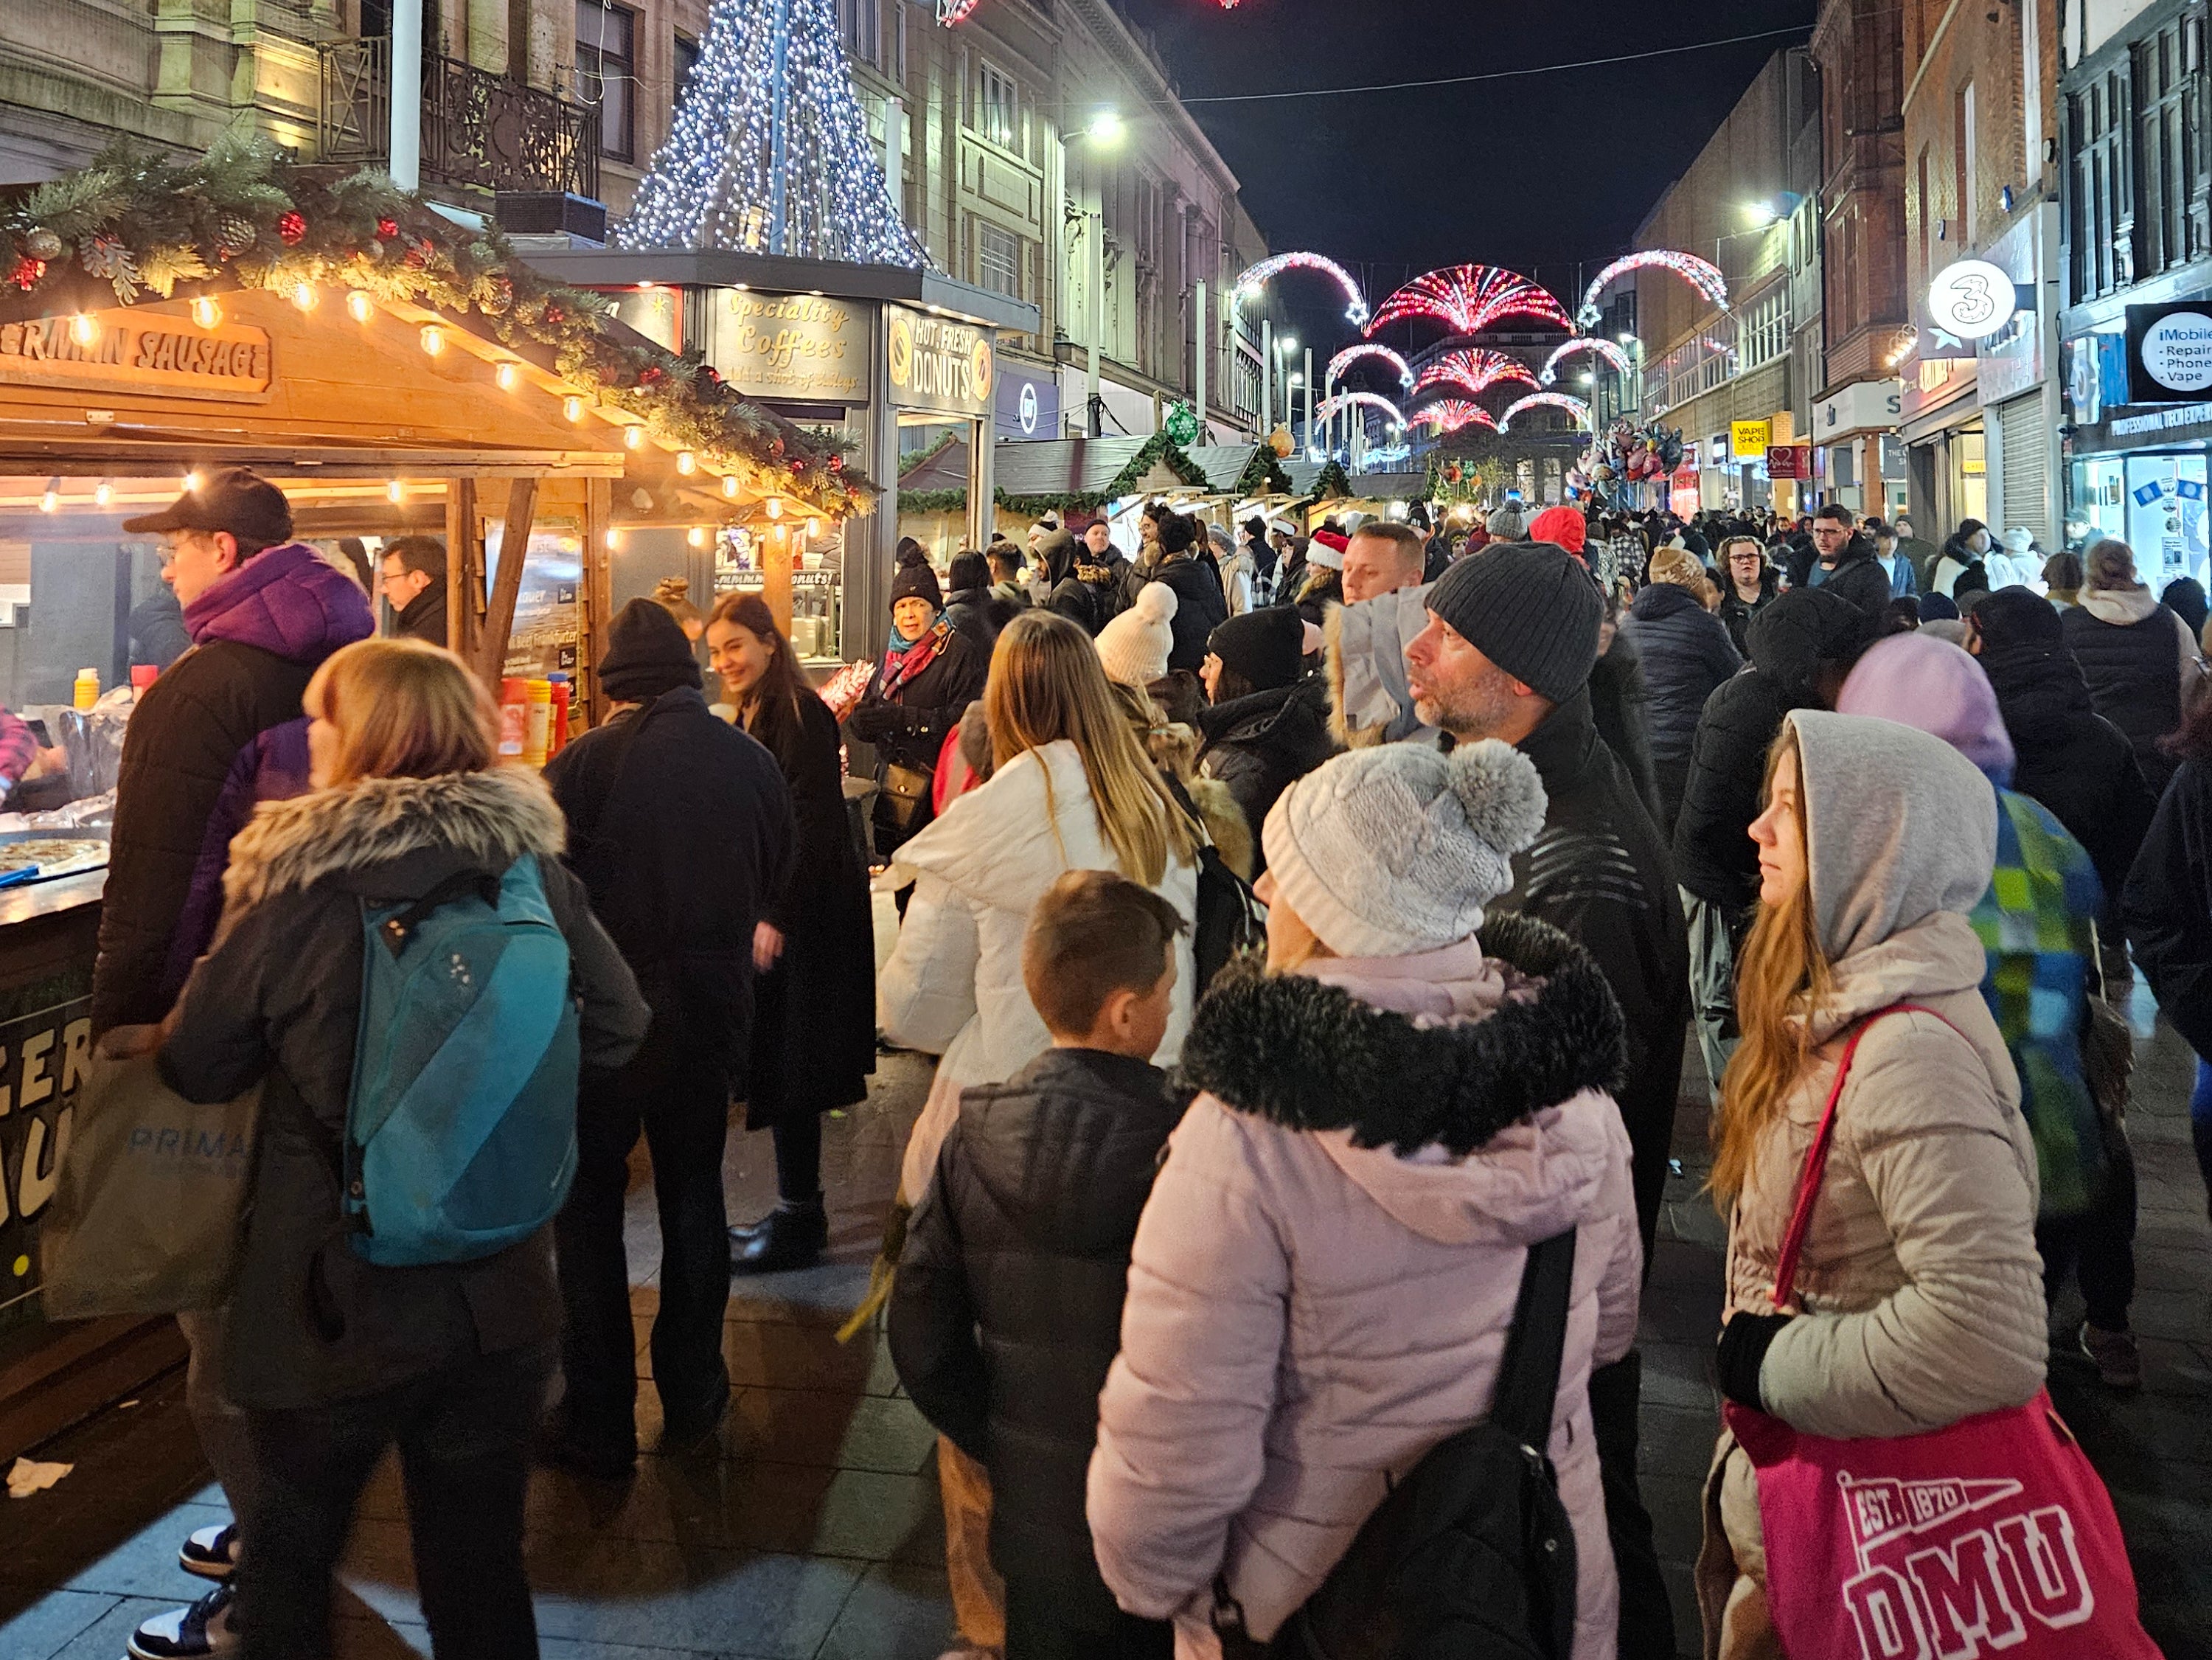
pixel 506 583
pixel 599 595
pixel 460 509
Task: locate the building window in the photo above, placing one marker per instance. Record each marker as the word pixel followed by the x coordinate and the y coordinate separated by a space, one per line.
pixel 998 104
pixel 998 260
pixel 687 59
pixel 861 23
pixel 606 73
pixel 2168 86
pixel 2101 191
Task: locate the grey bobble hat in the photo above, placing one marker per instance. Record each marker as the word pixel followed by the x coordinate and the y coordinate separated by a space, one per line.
pixel 1395 850
pixel 1531 608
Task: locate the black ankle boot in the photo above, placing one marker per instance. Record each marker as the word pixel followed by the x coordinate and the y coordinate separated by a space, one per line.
pixel 788 1237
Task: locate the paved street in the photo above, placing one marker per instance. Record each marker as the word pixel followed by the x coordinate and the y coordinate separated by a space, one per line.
pixel 815 1535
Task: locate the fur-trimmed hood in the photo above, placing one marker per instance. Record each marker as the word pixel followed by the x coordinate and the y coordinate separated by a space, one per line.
pixel 1311 1056
pixel 475 820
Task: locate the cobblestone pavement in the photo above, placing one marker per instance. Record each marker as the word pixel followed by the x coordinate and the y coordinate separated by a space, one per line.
pixel 815 1534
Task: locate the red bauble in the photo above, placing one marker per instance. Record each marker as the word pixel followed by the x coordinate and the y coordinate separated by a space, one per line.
pixel 291 226
pixel 652 375
pixel 28 272
pixel 554 314
pixel 799 466
pixel 388 227
pixel 836 464
pixel 775 448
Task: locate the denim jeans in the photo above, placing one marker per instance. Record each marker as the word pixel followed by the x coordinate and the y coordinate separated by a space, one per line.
pixel 464 1436
pixel 682 1109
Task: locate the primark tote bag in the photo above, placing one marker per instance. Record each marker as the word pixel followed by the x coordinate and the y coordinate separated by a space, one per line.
pixel 1991 1537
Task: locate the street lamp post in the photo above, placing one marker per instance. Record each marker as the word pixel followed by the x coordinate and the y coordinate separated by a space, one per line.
pixel 1310 404
pixel 1267 377
pixel 1104 133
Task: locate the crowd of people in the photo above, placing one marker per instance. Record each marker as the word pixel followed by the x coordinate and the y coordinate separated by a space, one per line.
pixel 1308 930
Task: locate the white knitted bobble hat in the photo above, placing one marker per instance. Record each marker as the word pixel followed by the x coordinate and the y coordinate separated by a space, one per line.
pixel 1134 647
pixel 1390 851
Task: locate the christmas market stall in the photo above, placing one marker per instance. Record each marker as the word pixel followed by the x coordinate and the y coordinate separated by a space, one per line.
pixel 396 375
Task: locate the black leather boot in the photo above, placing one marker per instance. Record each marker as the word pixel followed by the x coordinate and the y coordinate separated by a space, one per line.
pixel 788 1237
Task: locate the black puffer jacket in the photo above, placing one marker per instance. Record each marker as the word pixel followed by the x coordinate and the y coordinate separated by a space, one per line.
pixel 1736 611
pixel 1007 1309
pixel 279 998
pixel 1858 577
pixel 1687 653
pixel 1201 605
pixel 1714 855
pixel 1620 703
pixel 2167 904
pixel 2132 650
pixel 1261 744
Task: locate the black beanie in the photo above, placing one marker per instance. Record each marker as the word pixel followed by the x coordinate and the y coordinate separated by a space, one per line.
pixel 646 654
pixel 914 579
pixel 1178 532
pixel 1530 607
pixel 2019 617
pixel 1267 648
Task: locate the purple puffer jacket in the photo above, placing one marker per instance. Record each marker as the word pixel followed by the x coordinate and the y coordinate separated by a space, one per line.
pixel 218 733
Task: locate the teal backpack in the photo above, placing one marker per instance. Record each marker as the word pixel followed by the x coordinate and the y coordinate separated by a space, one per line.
pixel 461 1127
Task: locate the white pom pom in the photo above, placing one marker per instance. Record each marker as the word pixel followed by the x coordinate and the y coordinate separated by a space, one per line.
pixel 1500 791
pixel 1156 603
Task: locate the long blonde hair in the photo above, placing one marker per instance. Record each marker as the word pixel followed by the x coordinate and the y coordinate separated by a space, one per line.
pixel 403 709
pixel 1783 971
pixel 1046 684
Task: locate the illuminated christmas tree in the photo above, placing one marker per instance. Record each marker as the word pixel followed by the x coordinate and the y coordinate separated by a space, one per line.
pixel 769 151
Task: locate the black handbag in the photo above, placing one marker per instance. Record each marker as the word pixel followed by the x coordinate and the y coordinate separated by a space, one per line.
pixel 1472 1556
pixel 1230 919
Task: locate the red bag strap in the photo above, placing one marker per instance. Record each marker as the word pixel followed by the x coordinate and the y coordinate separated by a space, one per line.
pixel 1816 1158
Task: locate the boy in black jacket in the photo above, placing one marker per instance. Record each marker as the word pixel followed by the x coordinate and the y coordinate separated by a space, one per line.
pixel 1007 1309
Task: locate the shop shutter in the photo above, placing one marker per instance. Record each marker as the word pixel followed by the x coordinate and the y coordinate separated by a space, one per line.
pixel 2024 457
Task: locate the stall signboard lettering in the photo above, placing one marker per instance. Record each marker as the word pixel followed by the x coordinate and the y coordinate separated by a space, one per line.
pixel 128 352
pixel 789 345
pixel 44 1056
pixel 1749 438
pixel 938 363
pixel 2170 353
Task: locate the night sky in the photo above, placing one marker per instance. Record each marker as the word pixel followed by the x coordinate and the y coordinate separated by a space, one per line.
pixel 1542 174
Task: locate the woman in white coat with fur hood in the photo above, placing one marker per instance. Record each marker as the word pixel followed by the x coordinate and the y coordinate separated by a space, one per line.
pixel 1392 1114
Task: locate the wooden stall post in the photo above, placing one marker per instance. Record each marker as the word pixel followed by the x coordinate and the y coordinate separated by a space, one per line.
pixel 514 549
pixel 778 546
pixel 464 570
pixel 599 594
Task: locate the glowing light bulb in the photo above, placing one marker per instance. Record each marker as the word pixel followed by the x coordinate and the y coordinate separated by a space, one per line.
pixel 396 490
pixel 303 295
pixel 634 437
pixel 206 312
pixel 50 499
pixel 192 483
pixel 84 329
pixel 103 493
pixel 359 306
pixel 686 462
pixel 613 540
pixel 433 338
pixel 698 536
pixel 813 527
pixel 507 377
pixel 729 483
pixel 776 507
pixel 573 408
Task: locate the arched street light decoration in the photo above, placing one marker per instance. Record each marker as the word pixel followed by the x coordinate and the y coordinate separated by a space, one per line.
pixel 1605 348
pixel 1256 278
pixel 1547 400
pixel 1450 414
pixel 1474 370
pixel 1700 273
pixel 1469 298
pixel 1329 408
pixel 1351 355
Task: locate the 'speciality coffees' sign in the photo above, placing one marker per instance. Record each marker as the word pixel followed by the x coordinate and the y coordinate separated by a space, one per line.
pixel 938 363
pixel 789 345
pixel 148 353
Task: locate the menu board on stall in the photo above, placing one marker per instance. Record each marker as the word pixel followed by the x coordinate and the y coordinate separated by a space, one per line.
pixel 938 363
pixel 45 1038
pixel 789 345
pixel 548 609
pixel 124 351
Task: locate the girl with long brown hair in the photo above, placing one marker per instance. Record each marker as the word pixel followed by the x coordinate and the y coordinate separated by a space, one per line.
pixel 814 1033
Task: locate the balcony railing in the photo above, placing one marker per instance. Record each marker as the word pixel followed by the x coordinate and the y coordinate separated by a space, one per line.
pixel 479 130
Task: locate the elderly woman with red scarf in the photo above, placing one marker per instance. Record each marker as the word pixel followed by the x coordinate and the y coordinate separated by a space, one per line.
pixel 928 676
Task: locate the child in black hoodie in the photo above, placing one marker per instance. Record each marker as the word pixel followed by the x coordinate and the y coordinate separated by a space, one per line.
pixel 1007 1309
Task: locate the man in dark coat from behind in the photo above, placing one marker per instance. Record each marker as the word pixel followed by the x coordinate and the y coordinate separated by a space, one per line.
pixel 680 826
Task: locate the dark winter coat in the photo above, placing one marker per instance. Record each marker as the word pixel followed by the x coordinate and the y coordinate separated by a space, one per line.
pixel 197 756
pixel 1601 875
pixel 1007 1309
pixel 970 612
pixel 2071 759
pixel 1736 611
pixel 1619 704
pixel 423 618
pixel 2132 650
pixel 1687 653
pixel 1725 787
pixel 909 728
pixel 157 629
pixel 278 999
pixel 1201 605
pixel 1089 593
pixel 680 827
pixel 2168 905
pixel 814 1014
pixel 1261 744
pixel 1858 577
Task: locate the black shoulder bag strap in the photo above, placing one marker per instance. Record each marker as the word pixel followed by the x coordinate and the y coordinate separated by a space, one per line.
pixel 1529 1377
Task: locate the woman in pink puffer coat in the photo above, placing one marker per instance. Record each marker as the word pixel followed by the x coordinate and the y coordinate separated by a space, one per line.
pixel 1321 1285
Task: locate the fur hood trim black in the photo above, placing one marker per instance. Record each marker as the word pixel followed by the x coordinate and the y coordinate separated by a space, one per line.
pixel 1310 1056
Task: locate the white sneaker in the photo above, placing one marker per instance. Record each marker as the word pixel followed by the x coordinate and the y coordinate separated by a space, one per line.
pixel 211 1552
pixel 188 1634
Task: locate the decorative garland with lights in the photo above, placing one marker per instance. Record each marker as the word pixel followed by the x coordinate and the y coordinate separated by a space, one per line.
pixel 1351 355
pixel 1329 408
pixel 1546 400
pixel 1613 356
pixel 1158 447
pixel 1330 484
pixel 1450 414
pixel 1255 277
pixel 136 223
pixel 1469 298
pixel 1474 370
pixel 1700 273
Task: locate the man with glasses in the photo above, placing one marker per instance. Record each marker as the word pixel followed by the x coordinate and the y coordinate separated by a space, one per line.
pixel 412 577
pixel 1844 561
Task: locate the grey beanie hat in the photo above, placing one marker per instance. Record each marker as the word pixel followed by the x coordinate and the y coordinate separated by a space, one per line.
pixel 1507 524
pixel 1531 608
pixel 1390 851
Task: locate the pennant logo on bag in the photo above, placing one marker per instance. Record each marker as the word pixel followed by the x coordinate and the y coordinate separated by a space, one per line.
pixel 1942 1578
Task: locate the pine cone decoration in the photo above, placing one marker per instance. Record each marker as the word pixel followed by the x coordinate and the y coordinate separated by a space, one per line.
pixel 42 245
pixel 234 235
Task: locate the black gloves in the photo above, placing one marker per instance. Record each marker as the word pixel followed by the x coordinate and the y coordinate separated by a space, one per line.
pixel 1744 1342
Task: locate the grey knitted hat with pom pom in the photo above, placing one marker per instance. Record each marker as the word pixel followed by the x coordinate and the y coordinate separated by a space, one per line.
pixel 1390 851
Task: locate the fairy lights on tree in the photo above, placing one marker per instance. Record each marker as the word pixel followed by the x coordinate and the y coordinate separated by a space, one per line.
pixel 1613 354
pixel 769 151
pixel 1700 273
pixel 1256 278
pixel 1469 298
pixel 1547 400
pixel 1452 414
pixel 1474 370
pixel 1351 355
